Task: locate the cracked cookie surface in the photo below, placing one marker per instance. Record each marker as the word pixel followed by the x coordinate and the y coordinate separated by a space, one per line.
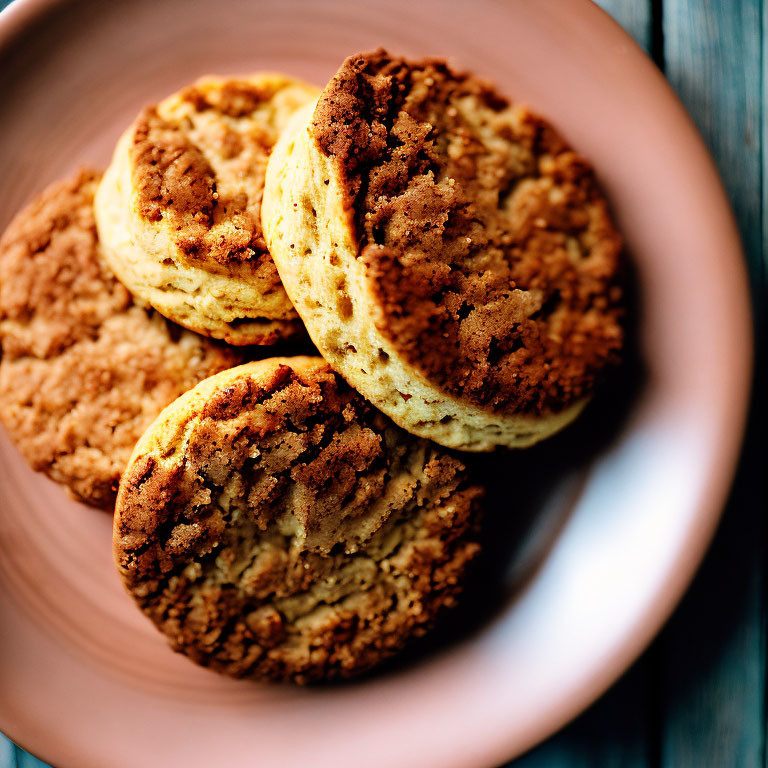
pixel 179 210
pixel 274 525
pixel 476 244
pixel 84 370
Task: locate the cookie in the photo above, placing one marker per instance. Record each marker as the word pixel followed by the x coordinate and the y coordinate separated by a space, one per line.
pixel 84 370
pixel 178 210
pixel 450 255
pixel 274 525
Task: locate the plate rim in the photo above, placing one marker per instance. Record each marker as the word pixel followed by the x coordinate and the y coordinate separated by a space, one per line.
pixel 17 17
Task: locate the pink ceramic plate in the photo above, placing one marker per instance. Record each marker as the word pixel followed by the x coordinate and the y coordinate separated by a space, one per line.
pixel 85 682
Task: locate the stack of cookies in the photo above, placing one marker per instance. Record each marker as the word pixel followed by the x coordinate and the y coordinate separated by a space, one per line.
pixel 447 266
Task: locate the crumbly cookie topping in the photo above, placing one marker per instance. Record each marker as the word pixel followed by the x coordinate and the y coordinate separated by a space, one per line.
pixel 486 240
pixel 295 533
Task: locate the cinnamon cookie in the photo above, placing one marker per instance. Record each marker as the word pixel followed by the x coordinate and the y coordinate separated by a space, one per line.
pixel 84 371
pixel 274 525
pixel 450 255
pixel 179 209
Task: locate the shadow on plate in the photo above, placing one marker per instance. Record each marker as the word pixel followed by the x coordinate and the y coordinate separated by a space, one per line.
pixel 530 495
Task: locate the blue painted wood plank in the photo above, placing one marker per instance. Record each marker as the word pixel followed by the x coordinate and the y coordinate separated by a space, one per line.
pixel 616 732
pixel 7 753
pixel 25 760
pixel 636 16
pixel 713 58
pixel 713 651
pixel 12 756
pixel 762 297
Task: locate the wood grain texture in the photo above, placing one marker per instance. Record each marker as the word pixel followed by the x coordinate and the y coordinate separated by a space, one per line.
pixel 25 760
pixel 7 753
pixel 636 16
pixel 12 756
pixel 615 732
pixel 761 311
pixel 713 650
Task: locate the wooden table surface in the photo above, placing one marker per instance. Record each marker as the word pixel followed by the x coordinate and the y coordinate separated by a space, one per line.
pixel 696 698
